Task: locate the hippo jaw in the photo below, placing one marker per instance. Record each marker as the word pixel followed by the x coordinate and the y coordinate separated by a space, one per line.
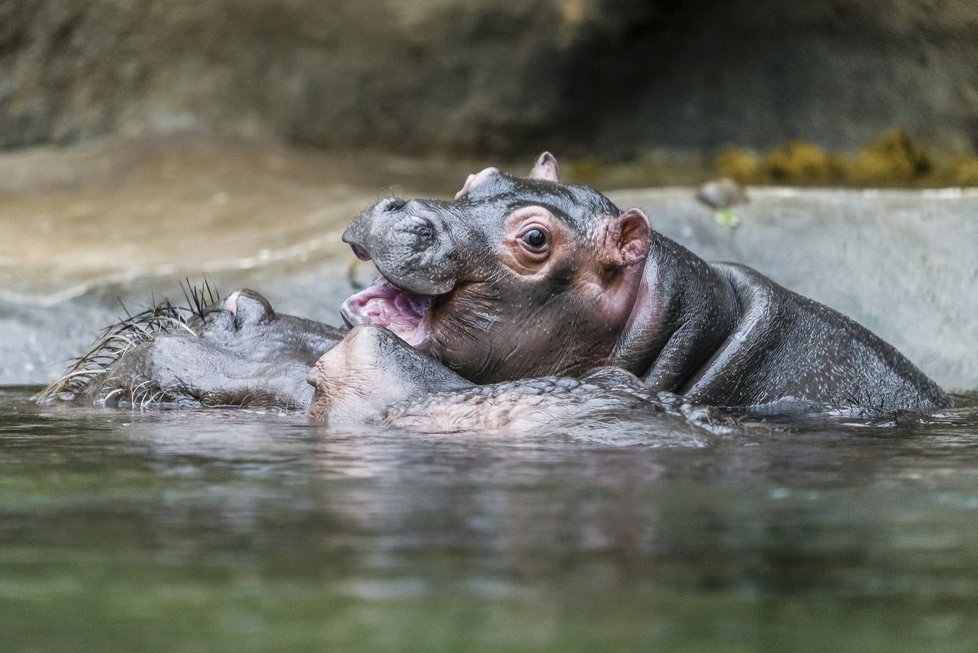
pixel 403 312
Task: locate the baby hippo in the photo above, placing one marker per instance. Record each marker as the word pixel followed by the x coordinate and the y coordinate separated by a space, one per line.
pixel 375 377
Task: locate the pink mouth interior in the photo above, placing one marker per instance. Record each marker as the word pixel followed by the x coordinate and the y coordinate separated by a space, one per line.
pixel 386 305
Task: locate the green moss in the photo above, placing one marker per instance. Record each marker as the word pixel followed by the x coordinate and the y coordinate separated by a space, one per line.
pixel 740 165
pixel 891 159
pixel 584 172
pixel 960 171
pixel 799 162
pixel 727 218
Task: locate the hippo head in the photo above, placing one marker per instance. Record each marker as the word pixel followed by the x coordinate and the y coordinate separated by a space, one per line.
pixel 515 277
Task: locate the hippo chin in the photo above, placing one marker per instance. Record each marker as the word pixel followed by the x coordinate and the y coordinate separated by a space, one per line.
pixel 527 277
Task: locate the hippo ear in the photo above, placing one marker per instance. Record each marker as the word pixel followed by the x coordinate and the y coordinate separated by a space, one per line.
pixel 474 180
pixel 546 168
pixel 627 238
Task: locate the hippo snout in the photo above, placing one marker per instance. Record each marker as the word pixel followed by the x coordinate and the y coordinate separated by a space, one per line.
pixel 410 244
pixel 375 227
pixel 394 204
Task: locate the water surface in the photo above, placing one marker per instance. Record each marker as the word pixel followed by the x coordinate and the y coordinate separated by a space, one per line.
pixel 248 531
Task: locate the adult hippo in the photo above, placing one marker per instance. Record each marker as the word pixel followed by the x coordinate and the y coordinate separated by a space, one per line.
pixel 236 351
pixel 374 377
pixel 521 278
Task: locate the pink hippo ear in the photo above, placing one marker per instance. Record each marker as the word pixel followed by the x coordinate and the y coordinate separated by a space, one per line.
pixel 546 168
pixel 627 238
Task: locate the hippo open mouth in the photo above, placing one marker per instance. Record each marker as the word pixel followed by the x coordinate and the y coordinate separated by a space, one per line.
pixel 384 304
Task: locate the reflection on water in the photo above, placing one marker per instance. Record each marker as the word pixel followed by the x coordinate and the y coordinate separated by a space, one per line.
pixel 248 531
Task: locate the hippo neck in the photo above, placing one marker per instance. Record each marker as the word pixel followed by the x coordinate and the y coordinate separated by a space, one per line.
pixel 683 312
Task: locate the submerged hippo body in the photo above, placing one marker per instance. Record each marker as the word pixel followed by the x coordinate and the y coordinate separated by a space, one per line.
pixel 518 278
pixel 374 377
pixel 232 352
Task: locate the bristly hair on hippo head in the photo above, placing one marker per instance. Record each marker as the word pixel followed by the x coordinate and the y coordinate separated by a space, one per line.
pixel 164 317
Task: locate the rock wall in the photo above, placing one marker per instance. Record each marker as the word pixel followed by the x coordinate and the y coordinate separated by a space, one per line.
pixel 606 77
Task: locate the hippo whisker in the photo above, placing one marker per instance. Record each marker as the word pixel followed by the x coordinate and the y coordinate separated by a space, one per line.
pixel 199 305
pixel 116 341
pixel 489 363
pixel 180 324
pixel 155 399
pixel 67 376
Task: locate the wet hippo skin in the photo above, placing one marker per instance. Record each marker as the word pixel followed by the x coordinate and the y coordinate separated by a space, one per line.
pixel 233 352
pixel 374 377
pixel 517 280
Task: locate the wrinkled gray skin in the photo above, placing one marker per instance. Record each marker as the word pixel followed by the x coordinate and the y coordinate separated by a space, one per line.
pixel 242 353
pixel 520 278
pixel 374 377
pixel 527 284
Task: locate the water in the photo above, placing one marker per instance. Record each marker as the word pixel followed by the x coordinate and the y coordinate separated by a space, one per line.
pixel 251 531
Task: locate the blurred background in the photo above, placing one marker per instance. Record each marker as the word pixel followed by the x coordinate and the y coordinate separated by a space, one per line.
pixel 143 141
pixel 608 80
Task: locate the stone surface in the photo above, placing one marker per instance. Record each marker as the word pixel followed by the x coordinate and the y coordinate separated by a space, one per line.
pixel 601 77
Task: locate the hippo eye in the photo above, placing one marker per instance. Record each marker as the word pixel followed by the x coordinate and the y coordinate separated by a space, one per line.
pixel 535 239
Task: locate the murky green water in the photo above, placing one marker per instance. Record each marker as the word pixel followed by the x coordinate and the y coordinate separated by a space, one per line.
pixel 167 531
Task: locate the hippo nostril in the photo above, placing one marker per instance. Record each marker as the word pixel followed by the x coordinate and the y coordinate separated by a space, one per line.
pixel 394 204
pixel 360 252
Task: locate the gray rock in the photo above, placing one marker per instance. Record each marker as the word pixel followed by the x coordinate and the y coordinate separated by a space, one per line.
pixel 604 77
